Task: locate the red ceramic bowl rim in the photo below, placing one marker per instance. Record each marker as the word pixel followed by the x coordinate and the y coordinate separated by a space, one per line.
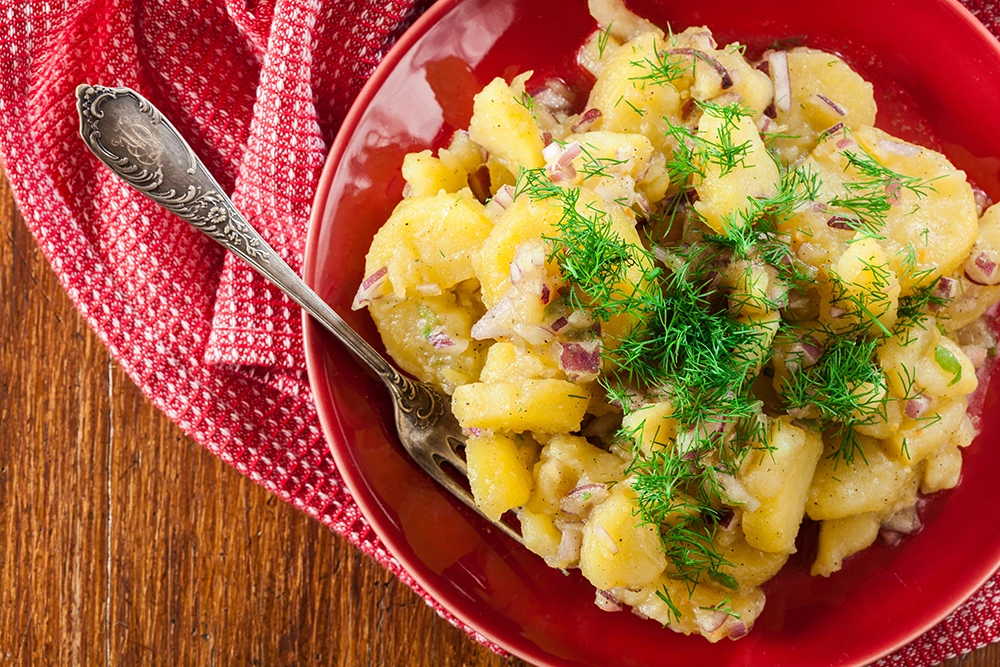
pixel 344 134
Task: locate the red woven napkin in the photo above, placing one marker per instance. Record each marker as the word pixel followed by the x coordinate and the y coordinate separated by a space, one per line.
pixel 259 89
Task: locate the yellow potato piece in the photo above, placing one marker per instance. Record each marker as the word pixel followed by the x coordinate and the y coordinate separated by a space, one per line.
pixel 543 406
pixel 629 101
pixel 726 188
pixel 503 125
pixel 779 478
pixel 500 471
pixel 411 327
pixel 429 241
pixel 651 427
pixel 565 460
pixel 428 175
pixel 617 550
pixel 941 225
pixel 840 538
pixel 749 566
pixel 812 74
pixel 840 489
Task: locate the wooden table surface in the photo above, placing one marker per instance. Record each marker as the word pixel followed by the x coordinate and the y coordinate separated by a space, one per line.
pixel 123 542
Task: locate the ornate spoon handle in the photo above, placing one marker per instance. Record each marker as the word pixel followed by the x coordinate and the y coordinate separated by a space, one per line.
pixel 135 141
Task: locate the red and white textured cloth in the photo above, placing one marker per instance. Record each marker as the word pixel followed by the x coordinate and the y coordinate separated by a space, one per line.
pixel 259 89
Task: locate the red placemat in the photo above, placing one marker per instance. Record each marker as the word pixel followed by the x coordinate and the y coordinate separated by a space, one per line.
pixel 258 89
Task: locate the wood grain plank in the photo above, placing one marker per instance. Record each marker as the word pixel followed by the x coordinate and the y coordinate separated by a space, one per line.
pixel 124 542
pixel 55 423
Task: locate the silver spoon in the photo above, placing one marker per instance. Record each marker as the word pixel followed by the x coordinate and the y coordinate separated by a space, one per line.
pixel 138 144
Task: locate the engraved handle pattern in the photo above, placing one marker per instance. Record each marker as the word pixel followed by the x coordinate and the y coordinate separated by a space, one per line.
pixel 138 144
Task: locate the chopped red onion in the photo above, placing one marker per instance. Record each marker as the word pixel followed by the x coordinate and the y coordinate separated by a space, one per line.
pixel 440 339
pixel 710 620
pixel 946 288
pixel 559 161
pixel 551 152
pixel 546 295
pixel 833 105
pixel 727 79
pixel 833 129
pixel 900 148
pixel 643 204
pixel 917 406
pixel 569 544
pixel 555 96
pixel 764 124
pixel 605 601
pixel 778 69
pixel 582 497
pixel 559 324
pixel 983 200
pixel 730 519
pixel 605 537
pixel 845 142
pixel 475 431
pixel 806 352
pixel 429 289
pixel 905 522
pixel 501 202
pixel 982 270
pixel 479 183
pixel 372 287
pixel 497 322
pixel 976 354
pixel 890 537
pixel 587 120
pixel 736 629
pixel 581 361
pixel 570 153
pixel 736 493
pixel 839 222
pixel 837 311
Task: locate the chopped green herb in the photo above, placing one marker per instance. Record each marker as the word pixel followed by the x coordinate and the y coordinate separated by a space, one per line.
pixel 947 360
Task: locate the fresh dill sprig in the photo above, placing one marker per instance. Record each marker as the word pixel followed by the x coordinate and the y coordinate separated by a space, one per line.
pixel 694 152
pixel 526 101
pixel 845 388
pixel 662 68
pixel 868 199
pixel 596 166
pixel 602 40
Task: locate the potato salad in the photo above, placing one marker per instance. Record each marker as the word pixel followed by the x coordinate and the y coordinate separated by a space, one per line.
pixel 685 311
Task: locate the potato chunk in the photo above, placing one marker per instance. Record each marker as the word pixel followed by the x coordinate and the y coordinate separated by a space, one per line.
pixel 779 478
pixel 825 91
pixel 428 242
pixel 428 175
pixel 500 471
pixel 430 337
pixel 503 125
pixel 618 550
pixel 840 538
pixel 564 462
pixel 727 186
pixel 840 489
pixel 543 406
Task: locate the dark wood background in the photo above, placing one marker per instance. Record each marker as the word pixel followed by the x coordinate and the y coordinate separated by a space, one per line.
pixel 123 542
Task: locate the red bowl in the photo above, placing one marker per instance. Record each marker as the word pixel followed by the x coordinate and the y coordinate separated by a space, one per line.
pixel 934 70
